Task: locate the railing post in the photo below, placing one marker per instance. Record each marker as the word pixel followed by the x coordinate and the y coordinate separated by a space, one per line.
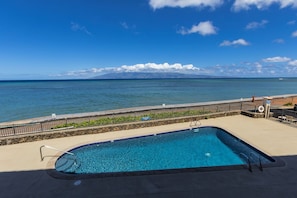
pixel 40 151
pixel 41 127
pixel 260 164
pixel 13 129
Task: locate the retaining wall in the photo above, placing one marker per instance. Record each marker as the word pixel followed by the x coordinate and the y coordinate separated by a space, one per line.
pixel 107 128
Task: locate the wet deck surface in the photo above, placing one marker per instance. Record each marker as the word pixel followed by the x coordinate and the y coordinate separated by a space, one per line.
pixel 23 174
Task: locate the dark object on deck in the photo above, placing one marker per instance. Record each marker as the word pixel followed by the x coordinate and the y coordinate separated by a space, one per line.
pixel 295 107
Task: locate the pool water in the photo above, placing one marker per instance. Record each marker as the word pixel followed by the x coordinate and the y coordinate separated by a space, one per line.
pixel 203 147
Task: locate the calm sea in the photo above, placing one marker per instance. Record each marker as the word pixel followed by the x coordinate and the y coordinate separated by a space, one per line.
pixel 29 99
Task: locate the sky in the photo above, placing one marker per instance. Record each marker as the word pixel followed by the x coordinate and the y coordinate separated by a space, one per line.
pixel 70 39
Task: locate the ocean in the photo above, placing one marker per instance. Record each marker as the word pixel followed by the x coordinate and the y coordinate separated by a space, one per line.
pixel 29 99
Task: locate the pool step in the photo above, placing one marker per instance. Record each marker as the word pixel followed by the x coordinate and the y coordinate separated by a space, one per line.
pixel 67 165
pixel 252 160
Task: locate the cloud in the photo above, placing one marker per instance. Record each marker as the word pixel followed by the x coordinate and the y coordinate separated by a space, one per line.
pixel 76 27
pixel 234 43
pixel 255 25
pixel 203 28
pixel 268 67
pixel 276 59
pixel 280 41
pixel 237 5
pixel 124 25
pixel 127 26
pixel 291 22
pixel 157 4
pixel 294 34
pixel 258 67
pixel 147 67
pixel 293 63
pixel 262 4
pixel 80 73
pixel 154 67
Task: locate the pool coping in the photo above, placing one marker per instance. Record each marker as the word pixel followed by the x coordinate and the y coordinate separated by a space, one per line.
pixel 277 162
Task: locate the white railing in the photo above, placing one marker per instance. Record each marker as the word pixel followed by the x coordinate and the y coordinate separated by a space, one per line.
pixel 53 148
pixel 194 123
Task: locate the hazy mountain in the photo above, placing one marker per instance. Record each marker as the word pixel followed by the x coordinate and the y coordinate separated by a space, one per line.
pixel 147 75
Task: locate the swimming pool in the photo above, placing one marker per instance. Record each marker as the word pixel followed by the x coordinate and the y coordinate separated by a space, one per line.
pixel 187 149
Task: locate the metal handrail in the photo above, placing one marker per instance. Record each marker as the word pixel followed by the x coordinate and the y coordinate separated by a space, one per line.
pixel 260 162
pixel 195 123
pixel 53 148
pixel 249 162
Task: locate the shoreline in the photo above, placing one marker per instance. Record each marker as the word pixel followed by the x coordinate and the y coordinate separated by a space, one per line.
pixel 278 100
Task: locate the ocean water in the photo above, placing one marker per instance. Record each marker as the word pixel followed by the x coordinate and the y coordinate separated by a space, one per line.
pixel 29 99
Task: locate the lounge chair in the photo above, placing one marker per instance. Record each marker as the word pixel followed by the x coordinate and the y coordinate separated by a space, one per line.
pixel 291 119
pixel 282 118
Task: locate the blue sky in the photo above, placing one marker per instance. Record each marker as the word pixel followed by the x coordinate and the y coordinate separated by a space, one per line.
pixel 62 39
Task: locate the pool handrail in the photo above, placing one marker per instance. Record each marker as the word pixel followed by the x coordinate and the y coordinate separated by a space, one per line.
pixel 53 148
pixel 248 160
pixel 260 162
pixel 194 123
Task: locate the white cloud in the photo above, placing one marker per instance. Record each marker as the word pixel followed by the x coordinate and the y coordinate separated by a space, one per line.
pixel 235 43
pixel 255 25
pixel 294 34
pixel 262 4
pixel 280 41
pixel 267 67
pixel 154 67
pixel 293 63
pixel 276 59
pixel 127 26
pixel 124 25
pixel 291 22
pixel 258 67
pixel 76 27
pixel 203 28
pixel 81 73
pixel 147 67
pixel 157 4
pixel 237 5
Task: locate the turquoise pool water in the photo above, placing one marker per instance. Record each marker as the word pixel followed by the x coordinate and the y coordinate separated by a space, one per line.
pixel 203 147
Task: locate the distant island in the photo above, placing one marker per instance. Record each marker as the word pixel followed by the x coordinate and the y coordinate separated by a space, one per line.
pixel 148 75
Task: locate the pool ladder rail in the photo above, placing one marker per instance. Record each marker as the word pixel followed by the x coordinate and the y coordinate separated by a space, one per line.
pixel 194 125
pixel 249 163
pixel 75 162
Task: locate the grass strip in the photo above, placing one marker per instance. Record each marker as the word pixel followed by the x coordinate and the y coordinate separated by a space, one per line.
pixel 128 119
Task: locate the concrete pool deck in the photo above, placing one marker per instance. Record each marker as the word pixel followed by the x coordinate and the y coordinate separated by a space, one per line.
pixel 23 174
